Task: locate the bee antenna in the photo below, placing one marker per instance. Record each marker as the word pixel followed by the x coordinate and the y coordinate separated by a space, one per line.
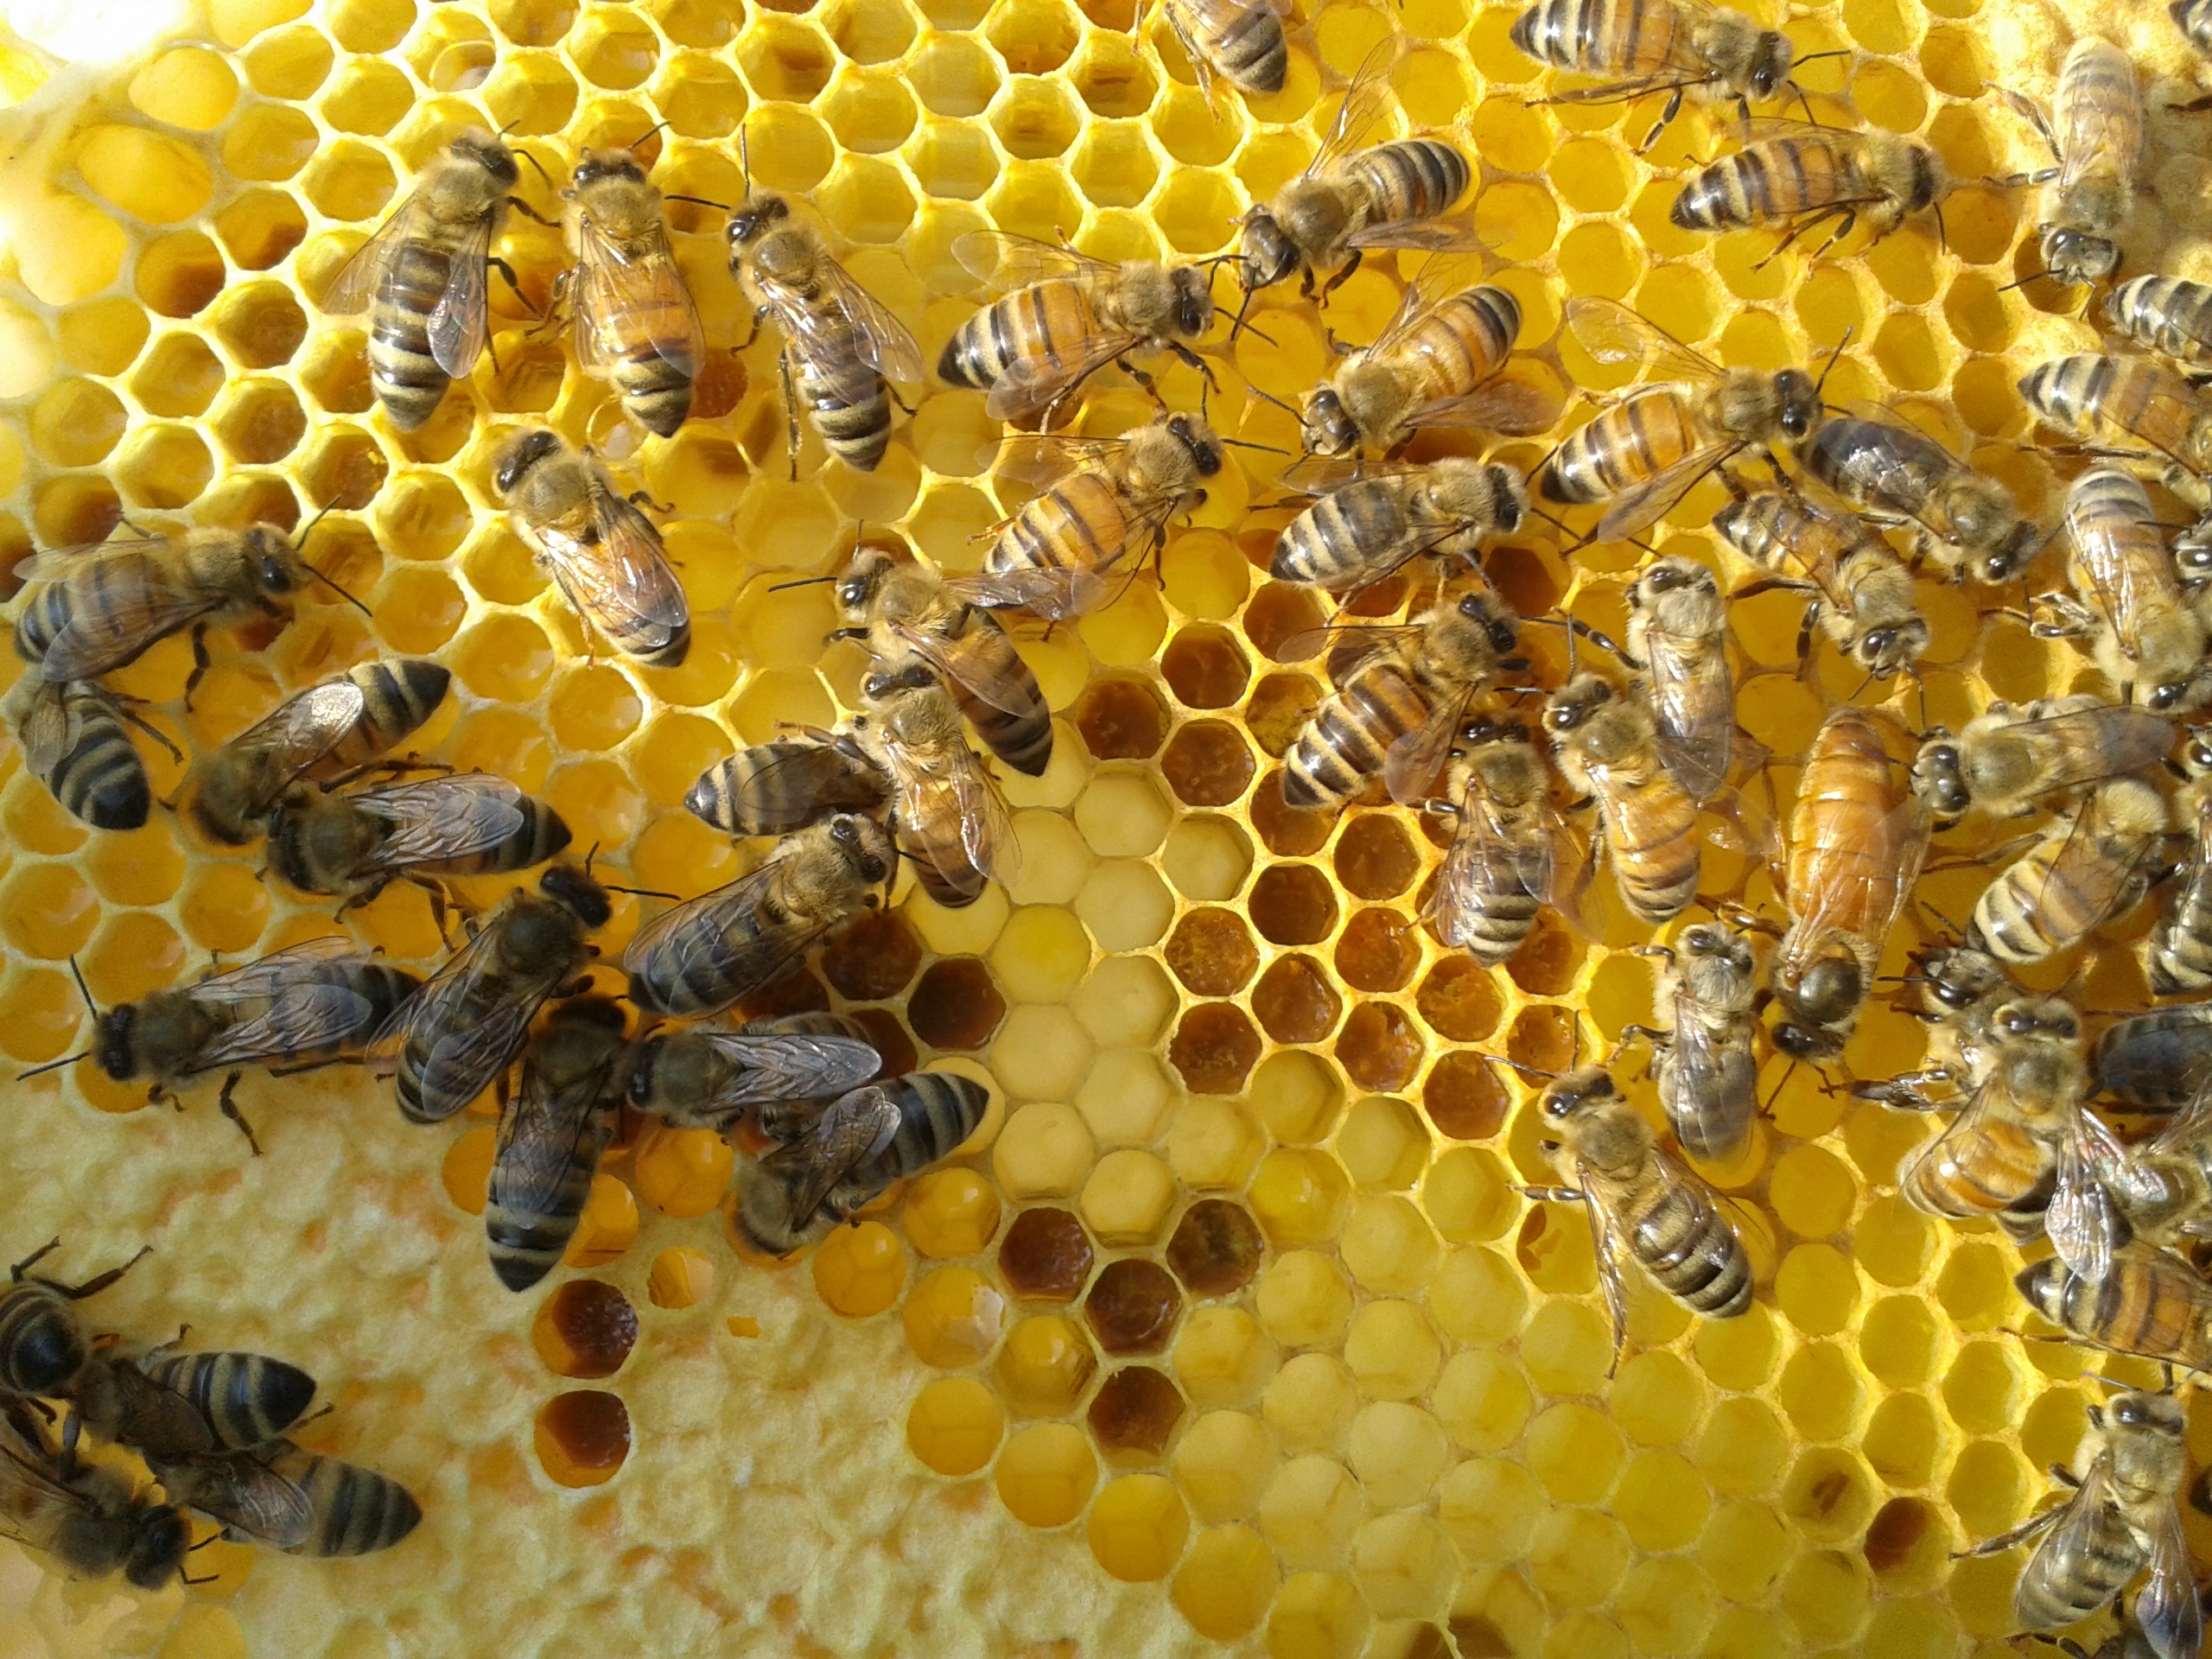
pixel 1264 448
pixel 1815 57
pixel 538 166
pixel 1237 326
pixel 633 145
pixel 1238 323
pixel 803 582
pixel 1530 1070
pixel 639 892
pixel 340 591
pixel 1821 385
pixel 1269 397
pixel 2031 277
pixel 53 1065
pixel 745 159
pixel 300 541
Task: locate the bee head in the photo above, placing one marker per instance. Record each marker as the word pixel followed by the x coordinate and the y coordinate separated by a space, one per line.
pixel 1509 495
pixel 2174 694
pixel 2041 1019
pixel 1711 939
pixel 2011 554
pixel 754 215
pixel 1797 398
pixel 862 575
pixel 1938 778
pixel 863 841
pixel 1193 301
pixel 1574 703
pixel 2193 549
pixel 1569 1096
pixel 1329 429
pixel 1483 730
pixel 1771 60
pixel 2161 1414
pixel 115 1041
pixel 574 891
pixel 523 451
pixel 275 566
pixel 487 151
pixel 159 1538
pixel 1805 1042
pixel 1268 256
pixel 1829 990
pixel 599 164
pixel 1959 978
pixel 1204 449
pixel 1886 651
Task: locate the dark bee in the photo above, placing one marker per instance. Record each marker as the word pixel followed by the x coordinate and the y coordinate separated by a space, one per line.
pixel 702 1078
pixel 551 1138
pixel 43 1347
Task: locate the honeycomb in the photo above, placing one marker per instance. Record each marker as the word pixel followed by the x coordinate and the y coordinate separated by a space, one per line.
pixel 1229 1330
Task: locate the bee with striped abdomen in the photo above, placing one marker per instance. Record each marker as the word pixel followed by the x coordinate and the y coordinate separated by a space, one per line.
pixel 2095 131
pixel 1678 645
pixel 1861 593
pixel 709 952
pixel 1636 47
pixel 860 1143
pixel 2155 1061
pixel 2177 957
pixel 1967 522
pixel 423 277
pixel 594 542
pixel 2150 1302
pixel 1365 527
pixel 2132 406
pixel 842 348
pixel 698 1079
pixel 297 1501
pixel 1644 1207
pixel 246 1398
pixel 550 1137
pixel 2143 635
pixel 84 1514
pixel 1960 991
pixel 1799 175
pixel 1498 871
pixel 1705 1063
pixel 1607 748
pixel 788 783
pixel 326 732
pixel 2086 868
pixel 450 1043
pixel 42 1346
pixel 634 319
pixel 1401 698
pixel 356 842
pixel 1242 41
pixel 2008 760
pixel 1642 455
pixel 949 819
pixel 2165 313
pixel 73 740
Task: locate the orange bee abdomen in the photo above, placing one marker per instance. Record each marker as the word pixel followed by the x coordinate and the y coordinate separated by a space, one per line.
pixel 2000 1168
pixel 1841 844
pixel 1650 833
pixel 1349 735
pixel 1049 318
pixel 1079 523
pixel 1460 343
pixel 1625 445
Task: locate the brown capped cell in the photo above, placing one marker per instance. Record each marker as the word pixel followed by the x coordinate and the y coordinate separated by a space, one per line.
pixel 1377 950
pixel 1205 667
pixel 1278 614
pixel 1046 1255
pixel 1291 904
pixel 1216 1248
pixel 889 1039
pixel 1135 1411
pixel 1279 705
pixel 955 1005
pixel 585 1328
pixel 872 956
pixel 1379 1048
pixel 1545 964
pixel 1214 1048
pixel 1295 1002
pixel 1121 719
pixel 1133 1307
pixel 1458 1000
pixel 1464 1096
pixel 1209 764
pixel 1289 831
pixel 1376 858
pixel 583 1436
pixel 1542 1040
pixel 1211 952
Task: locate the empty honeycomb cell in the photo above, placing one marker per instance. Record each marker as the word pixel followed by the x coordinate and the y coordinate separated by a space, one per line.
pixel 1299 1098
pixel 1310 1402
pixel 1976 1287
pixel 614 47
pixel 1299 1197
pixel 1744 1549
pixel 1041 1052
pixel 1393 1350
pixel 1222 1356
pixel 1404 1564
pixel 1383 1143
pixel 148 174
pixel 953 75
pixel 76 423
pixel 1113 165
pixel 259 227
pixel 75 508
pixel 1399 1453
pixel 1304 1300
pixel 369 97
pixel 1812 1191
pixel 1054 859
pixel 1661 1501
pixel 1819 1391
pixel 1033 36
pixel 1490 1507
pixel 1567 1348
pixel 1138 1528
pixel 1125 1199
pixel 49 913
pixel 784 59
pixel 1121 719
pixel 1902 1441
pixel 1045 1254
pixel 582 1437
pixel 1311 1512
pixel 1131 1307
pixel 1207 858
pixel 1827 1495
pixel 1743 1448
pixel 1377 950
pixel 1817 1290
pixel 1389 1247
pixel 189 87
pixel 1044 1366
pixel 585 1329
pixel 1577 1556
pixel 1893 1241
pixel 1981 1389
pixel 1045 1474
pixel 956 1004
pixel 1041 954
pixel 955 1425
pixel 1127 1098
pixel 100 337
pixel 1826 1594
pixel 260 423
pixel 1211 952
pixel 164 467
pixel 1226 1582
pixel 1316 1616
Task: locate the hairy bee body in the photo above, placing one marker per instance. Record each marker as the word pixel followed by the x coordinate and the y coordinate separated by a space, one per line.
pixel 2158 1060
pixel 246 1398
pixel 551 1138
pixel 2145 636
pixel 1823 173
pixel 350 843
pixel 1497 874
pixel 634 319
pixel 2150 1303
pixel 1862 592
pixel 1706 1065
pixel 1440 354
pixel 2194 19
pixel 352 1510
pixel 1344 203
pixel 1083 524
pixel 1062 318
pixel 2178 955
pixel 700 1078
pixel 1709 52
pixel 952 824
pixel 1998 1159
pixel 1658 429
pixel 1607 748
pixel 2086 868
pixel 2008 760
pixel 2165 313
pixel 2129 404
pixel 1678 638
pixel 1359 533
pixel 86 1515
pixel 1967 522
pixel 1242 39
pixel 786 784
pixel 72 741
pixel 2095 132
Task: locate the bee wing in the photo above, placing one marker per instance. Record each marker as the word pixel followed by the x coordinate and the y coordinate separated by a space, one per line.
pixel 48 727
pixel 618 297
pixel 1172 10
pixel 2098 133
pixel 137 604
pixel 2083 1221
pixel 1435 281
pixel 931 787
pixel 2119 740
pixel 1033 382
pixel 1044 458
pixel 624 573
pixel 457 322
pixel 355 285
pixel 1056 592
pixel 1716 1117
pixel 1609 1250
pixel 781 1067
pixel 854 1129
pixel 457 984
pixel 1612 333
pixel 2168 1611
pixel 1874 891
pixel 299 1019
pixel 985 825
pixel 1483 860
pixel 1363 103
pixel 1506 406
pixel 1348 644
pixel 437 818
pixel 32 1501
pixel 885 341
pixel 59 563
pixel 700 937
pixel 1008 261
pixel 1409 768
pixel 536 1141
pixel 302 730
pixel 1694 744
pixel 155 1420
pixel 240 1490
pixel 1012 691
pixel 278 971
pixel 1633 513
pixel 1456 234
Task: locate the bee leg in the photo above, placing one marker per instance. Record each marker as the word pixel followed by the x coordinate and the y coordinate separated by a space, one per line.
pixel 1666 119
pixel 644 499
pixel 229 1109
pixel 1343 274
pixel 92 1287
pixel 1555 1194
pixel 530 213
pixel 201 664
pixel 1191 359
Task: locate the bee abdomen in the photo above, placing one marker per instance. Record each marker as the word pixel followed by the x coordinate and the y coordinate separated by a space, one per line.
pixel 783 786
pixel 1251 49
pixel 1623 446
pixel 2181 945
pixel 1598 36
pixel 1694 1255
pixel 849 402
pixel 1042 320
pixel 397 697
pixel 656 393
pixel 2166 314
pixel 524 1234
pixel 1417 178
pixel 102 781
pixel 1494 929
pixel 1077 525
pixel 543 834
pixel 247 1398
pixel 2046 1597
pixel 354 1510
pixel 1337 533
pixel 937 1110
pixel 406 379
pixel 45 614
pixel 1655 850
pixel 42 1346
pixel 1462 343
pixel 1345 742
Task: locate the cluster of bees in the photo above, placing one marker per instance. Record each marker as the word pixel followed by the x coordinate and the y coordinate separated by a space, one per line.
pixel 212 1427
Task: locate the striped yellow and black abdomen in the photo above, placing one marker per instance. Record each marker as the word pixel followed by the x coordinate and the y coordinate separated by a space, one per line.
pixel 42 1344
pixel 1349 736
pixel 354 1510
pixel 937 1110
pixel 2049 900
pixel 405 378
pixel 1460 344
pixel 383 987
pixel 1692 1254
pixel 1651 836
pixel 1021 736
pixel 2179 956
pixel 1044 320
pixel 1245 41
pixel 397 696
pixel 2001 1168
pixel 1622 447
pixel 541 834
pixel 847 400
pixel 2165 313
pixel 1624 38
pixel 248 1400
pixel 1080 524
pixel 656 393
pixel 1772 180
pixel 2129 401
pixel 2105 1556
pixel 525 1232
pixel 1409 178
pixel 783 786
pixel 1339 537
pixel 100 777
pixel 46 612
pixel 2150 1303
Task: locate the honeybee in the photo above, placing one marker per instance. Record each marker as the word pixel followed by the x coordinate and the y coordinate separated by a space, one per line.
pixel 550 1137
pixel 952 823
pixel 240 1490
pixel 1967 522
pixel 1242 39
pixel 1063 316
pixel 846 345
pixel 469 824
pixel 1607 748
pixel 447 1043
pixel 1678 645
pixel 2179 956
pixel 72 741
pixel 634 318
pixel 1436 363
pixel 904 611
pixel 2155 1061
pixel 702 1079
pixel 786 784
pixel 2194 19
pixel 2121 1518
pixel 1644 1206
pixel 1498 871
pixel 1643 454
pixel 326 732
pixel 1346 201
pixel 2150 1303
pixel 2095 132
pixel 604 553
pixel 2009 759
pixel 314 1004
pixel 422 276
pixel 103 603
pixel 1401 694
pixel 84 1515
pixel 2145 638
pixel 2086 868
pixel 301 1502
pixel 43 1347
pixel 245 1399
pixel 1053 550
pixel 1366 527
pixel 1861 592
pixel 1961 993
pixel 1681 48
pixel 2165 313
pixel 1857 836
pixel 1705 1066
pixel 707 952
pixel 1801 175
pixel 2129 405
pixel 121 1404
pixel 860 1145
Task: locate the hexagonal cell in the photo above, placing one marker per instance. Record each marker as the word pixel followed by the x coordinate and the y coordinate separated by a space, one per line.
pixel 1377 950
pixel 1045 1474
pixel 1295 1002
pixel 1044 1366
pixel 1034 120
pixel 260 422
pixel 614 48
pixel 1046 1255
pixel 955 1425
pixel 954 75
pixel 1121 719
pixel 76 423
pixel 1214 1048
pixel 177 275
pixel 369 97
pixel 1278 710
pixel 1205 668
pixel 1133 1307
pixel 1464 1097
pixel 585 1329
pixel 1134 1412
pixel 952 1317
pixel 1115 166
pixel 860 1270
pixel 1216 1248
pixel 1208 764
pixel 261 325
pixel 1033 36
pixel 784 58
pixel 259 227
pixel 680 1277
pixel 1211 952
pixel 1458 1000
pixel 955 1005
pixel 582 1437
pixel 1289 831
pixel 872 956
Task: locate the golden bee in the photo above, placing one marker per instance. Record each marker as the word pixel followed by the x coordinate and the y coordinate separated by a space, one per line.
pixel 2177 957
pixel 356 842
pixel 2158 1060
pixel 1242 41
pixel 1960 991
pixel 700 1078
pixel 859 1145
pixel 2095 132
pixel 1707 1065
pixel 1368 526
pixel 1678 645
pixel 326 732
pixel 1643 454
pixel 1646 1207
pixel 1685 48
pixel 42 1346
pixel 841 347
pixel 904 611
pixel 2007 760
pixel 447 1043
pixel 1801 176
pixel 550 1137
pixel 424 277
pixel 1861 593
pixel 709 952
pixel 1063 317
pixel 73 740
pixel 1607 748
pixel 634 320
pixel 2145 636
pixel 2086 868
pixel 2121 1518
pixel 1401 695
pixel 2149 1302
pixel 788 783
pixel 86 1516
pixel 2164 314
pixel 1967 522
pixel 2130 406
pixel 1436 363
pixel 1857 836
pixel 299 1501
pixel 952 823
pixel 1498 871
pixel 594 542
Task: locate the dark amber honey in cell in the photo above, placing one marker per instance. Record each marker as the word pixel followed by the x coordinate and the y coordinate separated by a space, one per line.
pixel 1375 858
pixel 1291 904
pixel 1214 1048
pixel 1216 1249
pixel 1121 719
pixel 888 1038
pixel 1278 706
pixel 1208 764
pixel 1280 617
pixel 1211 952
pixel 1045 1254
pixel 583 1436
pixel 956 1004
pixel 1289 831
pixel 1295 1002
pixel 874 956
pixel 1131 1307
pixel 1377 950
pixel 1205 668
pixel 587 1328
pixel 1135 1410
pixel 1464 1097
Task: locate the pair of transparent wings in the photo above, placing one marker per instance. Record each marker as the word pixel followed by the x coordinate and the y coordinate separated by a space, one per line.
pixel 937 784
pixel 124 596
pixel 304 1011
pixel 540 1130
pixel 458 320
pixel 433 820
pixel 852 1129
pixel 2167 1611
pixel 841 320
pixel 622 296
pixel 472 1017
pixel 245 1490
pixel 618 575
